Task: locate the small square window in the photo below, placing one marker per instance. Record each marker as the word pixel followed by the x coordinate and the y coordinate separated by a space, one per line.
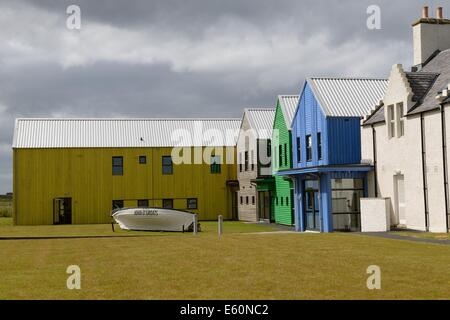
pixel 142 159
pixel 168 203
pixel 117 204
pixel 143 203
pixel 192 203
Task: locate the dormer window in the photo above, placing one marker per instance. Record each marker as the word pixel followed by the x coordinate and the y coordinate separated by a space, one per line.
pixel 391 121
pixel 400 120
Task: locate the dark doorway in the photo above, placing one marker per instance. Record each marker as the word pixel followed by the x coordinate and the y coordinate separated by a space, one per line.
pixel 234 205
pixel 264 205
pixel 62 211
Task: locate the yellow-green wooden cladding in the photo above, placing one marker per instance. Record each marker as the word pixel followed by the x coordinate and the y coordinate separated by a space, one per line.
pixel 281 141
pixel 85 176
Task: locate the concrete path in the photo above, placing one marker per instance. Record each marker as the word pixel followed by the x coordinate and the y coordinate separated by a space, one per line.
pixel 388 235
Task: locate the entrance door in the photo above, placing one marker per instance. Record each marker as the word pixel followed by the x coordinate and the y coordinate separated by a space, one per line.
pixel 264 205
pixel 400 198
pixel 62 211
pixel 312 212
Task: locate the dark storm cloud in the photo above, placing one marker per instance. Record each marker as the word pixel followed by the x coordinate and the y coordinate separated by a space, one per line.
pixel 196 58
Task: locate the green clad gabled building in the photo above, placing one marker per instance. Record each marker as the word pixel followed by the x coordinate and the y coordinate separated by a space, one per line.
pixel 282 158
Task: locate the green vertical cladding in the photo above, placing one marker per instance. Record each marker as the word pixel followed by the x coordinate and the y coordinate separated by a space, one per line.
pixel 282 136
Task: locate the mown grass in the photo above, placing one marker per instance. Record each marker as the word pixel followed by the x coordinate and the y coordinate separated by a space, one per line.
pixel 241 264
pixel 5 208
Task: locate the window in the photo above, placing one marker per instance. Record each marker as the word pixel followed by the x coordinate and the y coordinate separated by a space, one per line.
pixel 167 165
pixel 282 198
pixel 143 203
pixel 299 150
pixel 240 161
pixel 246 200
pixel 285 155
pixel 400 121
pixel 287 201
pixel 253 161
pixel 269 148
pixel 117 204
pixel 276 200
pixel 391 121
pixel 167 203
pixel 280 155
pixel 319 145
pixel 142 159
pixel 308 148
pixel 253 200
pixel 215 164
pixel 192 203
pixel 117 166
pixel 242 200
pixel 246 160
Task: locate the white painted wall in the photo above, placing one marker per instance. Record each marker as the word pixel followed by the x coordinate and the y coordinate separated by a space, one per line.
pixel 375 215
pixel 428 38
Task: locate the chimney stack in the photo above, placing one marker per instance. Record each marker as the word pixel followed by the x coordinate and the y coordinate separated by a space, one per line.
pixel 425 12
pixel 439 13
pixel 431 34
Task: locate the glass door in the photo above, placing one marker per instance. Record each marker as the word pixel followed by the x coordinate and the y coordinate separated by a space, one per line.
pixel 311 205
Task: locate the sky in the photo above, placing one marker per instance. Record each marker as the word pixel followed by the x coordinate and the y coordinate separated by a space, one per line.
pixel 177 58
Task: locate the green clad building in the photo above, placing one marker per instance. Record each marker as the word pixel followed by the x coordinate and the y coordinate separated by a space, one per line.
pixel 282 159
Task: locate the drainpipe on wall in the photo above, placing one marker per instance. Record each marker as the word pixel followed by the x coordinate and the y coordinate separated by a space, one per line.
pixel 374 150
pixel 424 172
pixel 445 169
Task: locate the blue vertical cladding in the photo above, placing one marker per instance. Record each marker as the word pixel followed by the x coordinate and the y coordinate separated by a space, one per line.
pixel 344 140
pixel 341 136
pixel 309 120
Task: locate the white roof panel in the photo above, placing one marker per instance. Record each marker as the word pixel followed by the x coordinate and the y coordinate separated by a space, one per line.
pixel 261 120
pixel 124 133
pixel 348 97
pixel 288 104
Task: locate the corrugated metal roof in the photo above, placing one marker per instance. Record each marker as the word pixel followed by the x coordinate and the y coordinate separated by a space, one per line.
pixel 288 104
pixel 121 133
pixel 261 120
pixel 348 97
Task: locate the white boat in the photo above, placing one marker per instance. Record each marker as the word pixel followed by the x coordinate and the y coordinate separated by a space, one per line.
pixel 154 219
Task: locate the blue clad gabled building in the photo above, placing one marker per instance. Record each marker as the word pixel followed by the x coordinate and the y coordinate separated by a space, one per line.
pixel 328 175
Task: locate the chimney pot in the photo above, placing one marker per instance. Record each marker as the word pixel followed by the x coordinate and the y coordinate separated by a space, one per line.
pixel 425 12
pixel 439 13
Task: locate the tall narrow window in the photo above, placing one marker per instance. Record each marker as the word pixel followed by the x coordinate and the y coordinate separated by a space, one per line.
pixel 280 155
pixel 299 150
pixel 252 160
pixel 400 120
pixel 167 165
pixel 319 145
pixel 240 161
pixel 117 166
pixel 215 165
pixel 391 121
pixel 285 155
pixel 269 148
pixel 246 160
pixel 308 148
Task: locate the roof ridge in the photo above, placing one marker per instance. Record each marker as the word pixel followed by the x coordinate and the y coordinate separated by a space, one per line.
pixel 348 78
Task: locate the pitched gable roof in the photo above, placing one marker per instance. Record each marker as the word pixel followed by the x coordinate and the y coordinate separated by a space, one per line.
pixel 377 116
pixel 261 120
pixel 288 105
pixel 347 97
pixel 439 65
pixel 124 133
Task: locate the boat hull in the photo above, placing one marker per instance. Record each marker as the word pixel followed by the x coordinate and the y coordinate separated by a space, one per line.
pixel 154 219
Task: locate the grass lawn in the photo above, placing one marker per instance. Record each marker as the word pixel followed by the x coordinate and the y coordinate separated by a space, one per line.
pixel 241 264
pixel 5 208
